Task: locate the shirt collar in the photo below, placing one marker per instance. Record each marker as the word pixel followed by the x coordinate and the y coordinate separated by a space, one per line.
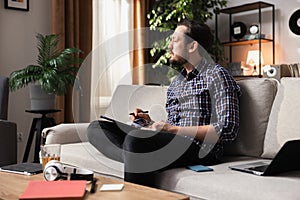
pixel 198 69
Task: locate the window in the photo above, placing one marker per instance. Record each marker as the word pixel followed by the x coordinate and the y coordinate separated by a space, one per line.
pixel 111 58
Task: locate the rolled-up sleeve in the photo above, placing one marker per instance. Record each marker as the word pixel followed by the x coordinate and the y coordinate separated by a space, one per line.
pixel 226 108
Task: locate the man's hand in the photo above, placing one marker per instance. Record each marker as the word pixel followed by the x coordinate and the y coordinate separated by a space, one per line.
pixel 139 113
pixel 164 126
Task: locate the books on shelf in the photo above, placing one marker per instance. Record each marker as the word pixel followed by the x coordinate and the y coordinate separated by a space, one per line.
pixel 255 36
pixel 66 189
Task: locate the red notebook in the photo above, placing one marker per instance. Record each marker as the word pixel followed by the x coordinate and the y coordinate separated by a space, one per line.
pixel 74 189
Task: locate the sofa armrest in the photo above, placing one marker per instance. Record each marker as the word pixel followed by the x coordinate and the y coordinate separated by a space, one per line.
pixel 66 133
pixel 8 142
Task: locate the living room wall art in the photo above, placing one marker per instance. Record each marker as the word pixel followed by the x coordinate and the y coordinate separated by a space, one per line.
pixel 17 4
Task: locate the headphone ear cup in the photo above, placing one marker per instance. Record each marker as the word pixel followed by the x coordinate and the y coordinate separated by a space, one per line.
pixel 53 170
pixel 55 163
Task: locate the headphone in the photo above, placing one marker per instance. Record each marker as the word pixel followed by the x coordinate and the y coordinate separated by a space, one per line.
pixel 54 170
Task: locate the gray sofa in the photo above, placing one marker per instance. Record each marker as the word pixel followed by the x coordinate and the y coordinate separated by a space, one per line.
pixel 8 129
pixel 269 117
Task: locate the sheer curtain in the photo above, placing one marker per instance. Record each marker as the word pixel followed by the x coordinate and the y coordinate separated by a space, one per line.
pixel 111 56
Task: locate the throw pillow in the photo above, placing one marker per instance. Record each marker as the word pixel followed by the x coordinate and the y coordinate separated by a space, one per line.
pixel 284 122
pixel 255 106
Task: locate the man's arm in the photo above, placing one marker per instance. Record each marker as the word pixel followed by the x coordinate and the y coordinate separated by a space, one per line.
pixel 207 132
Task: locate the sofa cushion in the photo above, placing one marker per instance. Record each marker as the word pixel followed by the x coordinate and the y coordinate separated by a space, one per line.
pixel 128 97
pixel 255 106
pixel 223 183
pixel 284 123
pixel 84 155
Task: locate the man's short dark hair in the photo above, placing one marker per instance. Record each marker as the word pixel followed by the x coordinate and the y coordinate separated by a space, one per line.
pixel 199 32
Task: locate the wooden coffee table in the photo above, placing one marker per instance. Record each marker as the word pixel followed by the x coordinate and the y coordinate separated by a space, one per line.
pixel 13 185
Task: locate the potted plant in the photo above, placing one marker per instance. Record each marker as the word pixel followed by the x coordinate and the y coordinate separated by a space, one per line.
pixel 54 72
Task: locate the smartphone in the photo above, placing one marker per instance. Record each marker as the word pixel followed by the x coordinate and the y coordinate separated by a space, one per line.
pixel 199 168
pixel 139 123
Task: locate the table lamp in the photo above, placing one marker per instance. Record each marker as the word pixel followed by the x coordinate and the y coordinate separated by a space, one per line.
pixel 253 60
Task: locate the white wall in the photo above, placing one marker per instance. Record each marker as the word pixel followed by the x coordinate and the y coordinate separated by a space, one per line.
pixel 287 44
pixel 18 49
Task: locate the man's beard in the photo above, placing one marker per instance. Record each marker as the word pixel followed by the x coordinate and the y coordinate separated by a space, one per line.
pixel 178 62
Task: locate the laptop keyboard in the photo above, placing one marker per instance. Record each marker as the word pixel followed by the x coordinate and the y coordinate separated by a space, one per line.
pixel 261 168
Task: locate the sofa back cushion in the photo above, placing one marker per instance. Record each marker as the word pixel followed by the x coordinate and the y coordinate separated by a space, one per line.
pixel 128 97
pixel 255 105
pixel 284 123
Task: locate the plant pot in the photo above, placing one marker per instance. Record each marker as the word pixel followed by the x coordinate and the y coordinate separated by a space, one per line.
pixel 41 100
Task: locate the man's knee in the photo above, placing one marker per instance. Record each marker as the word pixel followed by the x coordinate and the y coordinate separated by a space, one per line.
pixel 94 124
pixel 93 129
pixel 136 142
pixel 132 142
pixel 139 141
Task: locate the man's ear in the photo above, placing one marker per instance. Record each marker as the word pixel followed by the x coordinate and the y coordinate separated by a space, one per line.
pixel 193 46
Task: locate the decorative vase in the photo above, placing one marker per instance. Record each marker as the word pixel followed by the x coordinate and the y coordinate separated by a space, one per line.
pixel 41 100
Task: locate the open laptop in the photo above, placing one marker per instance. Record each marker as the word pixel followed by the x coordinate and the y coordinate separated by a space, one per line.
pixel 287 159
pixel 23 168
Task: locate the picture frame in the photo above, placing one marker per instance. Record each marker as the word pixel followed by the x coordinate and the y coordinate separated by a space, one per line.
pixel 22 5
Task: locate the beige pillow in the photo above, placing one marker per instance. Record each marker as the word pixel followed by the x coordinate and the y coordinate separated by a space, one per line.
pixel 255 105
pixel 284 122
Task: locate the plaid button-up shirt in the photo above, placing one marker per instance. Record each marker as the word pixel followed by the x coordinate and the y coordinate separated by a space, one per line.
pixel 207 95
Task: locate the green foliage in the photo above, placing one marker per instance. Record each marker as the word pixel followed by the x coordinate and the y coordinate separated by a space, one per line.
pixel 165 14
pixel 55 70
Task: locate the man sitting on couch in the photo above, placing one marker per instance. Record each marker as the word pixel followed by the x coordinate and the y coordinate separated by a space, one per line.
pixel 203 114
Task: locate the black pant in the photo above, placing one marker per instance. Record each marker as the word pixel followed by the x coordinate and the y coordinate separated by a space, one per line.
pixel 144 152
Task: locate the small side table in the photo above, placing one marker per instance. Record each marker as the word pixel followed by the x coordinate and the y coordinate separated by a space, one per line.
pixel 38 124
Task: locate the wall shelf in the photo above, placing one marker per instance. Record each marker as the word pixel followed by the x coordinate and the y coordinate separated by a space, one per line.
pixel 256 7
pixel 246 7
pixel 246 42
